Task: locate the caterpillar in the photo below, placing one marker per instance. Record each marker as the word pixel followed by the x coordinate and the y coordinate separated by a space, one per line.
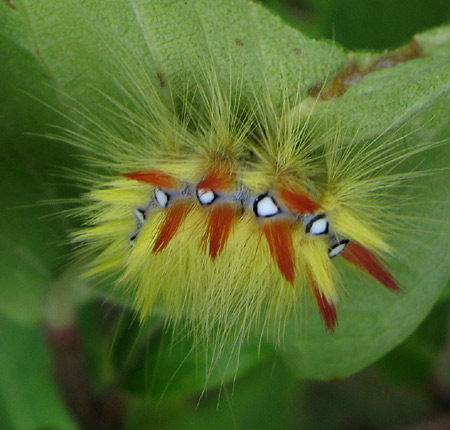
pixel 228 211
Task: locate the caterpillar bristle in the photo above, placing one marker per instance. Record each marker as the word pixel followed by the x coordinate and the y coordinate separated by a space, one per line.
pixel 326 308
pixel 367 261
pixel 217 180
pixel 173 219
pixel 219 225
pixel 298 200
pixel 153 177
pixel 279 237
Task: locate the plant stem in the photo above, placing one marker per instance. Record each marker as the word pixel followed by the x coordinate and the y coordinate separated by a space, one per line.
pixel 90 411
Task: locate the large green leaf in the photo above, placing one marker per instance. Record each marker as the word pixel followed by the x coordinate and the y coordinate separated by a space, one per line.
pixel 347 21
pixel 33 238
pixel 391 23
pixel 77 45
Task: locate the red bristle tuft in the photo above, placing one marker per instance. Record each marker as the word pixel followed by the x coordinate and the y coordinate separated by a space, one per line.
pixel 365 259
pixel 220 220
pixel 217 180
pixel 279 237
pixel 327 309
pixel 174 216
pixel 153 177
pixel 298 200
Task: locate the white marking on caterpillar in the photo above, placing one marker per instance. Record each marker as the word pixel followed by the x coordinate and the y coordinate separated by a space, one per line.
pixel 337 247
pixel 206 197
pixel 317 225
pixel 265 206
pixel 162 198
pixel 141 216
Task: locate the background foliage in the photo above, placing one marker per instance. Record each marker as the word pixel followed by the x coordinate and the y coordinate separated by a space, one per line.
pixel 48 48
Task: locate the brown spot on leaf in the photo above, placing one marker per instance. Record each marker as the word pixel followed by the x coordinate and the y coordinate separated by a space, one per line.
pixel 352 74
pixel 162 79
pixel 297 51
pixel 409 52
pixel 239 42
pixel 315 90
pixel 11 4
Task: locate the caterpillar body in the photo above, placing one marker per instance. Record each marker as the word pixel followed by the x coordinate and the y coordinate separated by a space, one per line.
pixel 227 212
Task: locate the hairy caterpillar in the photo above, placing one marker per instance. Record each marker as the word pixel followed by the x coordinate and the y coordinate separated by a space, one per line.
pixel 227 210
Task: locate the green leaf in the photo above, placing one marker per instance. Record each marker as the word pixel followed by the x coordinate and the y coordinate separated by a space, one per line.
pixel 33 234
pixel 160 36
pixel 28 395
pixel 266 398
pixel 151 361
pixel 147 360
pixel 391 24
pixel 347 21
pixel 445 295
pixel 414 361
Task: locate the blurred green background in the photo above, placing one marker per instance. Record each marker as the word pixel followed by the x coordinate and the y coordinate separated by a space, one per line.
pixel 145 387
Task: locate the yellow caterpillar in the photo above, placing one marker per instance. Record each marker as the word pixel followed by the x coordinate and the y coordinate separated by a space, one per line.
pixel 226 212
